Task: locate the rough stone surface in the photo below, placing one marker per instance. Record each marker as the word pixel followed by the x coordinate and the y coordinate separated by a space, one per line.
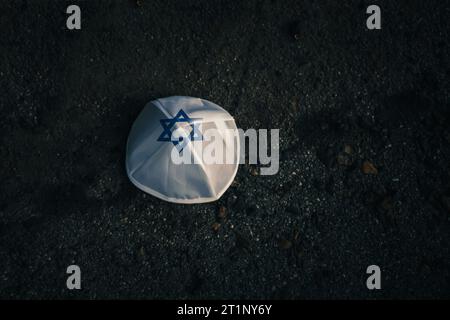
pixel 309 68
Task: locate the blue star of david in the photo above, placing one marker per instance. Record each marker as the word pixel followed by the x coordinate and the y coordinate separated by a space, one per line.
pixel 168 124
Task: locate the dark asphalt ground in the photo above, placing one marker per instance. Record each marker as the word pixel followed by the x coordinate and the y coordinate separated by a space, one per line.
pixel 340 95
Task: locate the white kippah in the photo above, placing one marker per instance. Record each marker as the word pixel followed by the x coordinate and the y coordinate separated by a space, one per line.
pixel 175 127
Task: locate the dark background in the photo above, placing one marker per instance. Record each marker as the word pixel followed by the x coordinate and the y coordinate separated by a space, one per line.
pixel 339 93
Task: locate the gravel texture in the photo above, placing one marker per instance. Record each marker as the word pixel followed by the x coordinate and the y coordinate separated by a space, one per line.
pixel 364 119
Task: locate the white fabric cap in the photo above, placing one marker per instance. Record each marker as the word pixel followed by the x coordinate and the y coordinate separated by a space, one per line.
pixel 180 123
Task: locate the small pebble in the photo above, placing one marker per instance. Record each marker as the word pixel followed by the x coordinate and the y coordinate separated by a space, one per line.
pixel 222 212
pixel 294 104
pixel 216 226
pixel 285 244
pixel 369 168
pixel 348 149
pixel 344 160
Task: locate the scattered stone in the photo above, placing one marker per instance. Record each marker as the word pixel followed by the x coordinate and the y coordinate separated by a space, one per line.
pixel 295 105
pixel 222 212
pixel 369 168
pixel 348 149
pixel 216 226
pixel 344 160
pixel 254 171
pixel 235 183
pixel 285 244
